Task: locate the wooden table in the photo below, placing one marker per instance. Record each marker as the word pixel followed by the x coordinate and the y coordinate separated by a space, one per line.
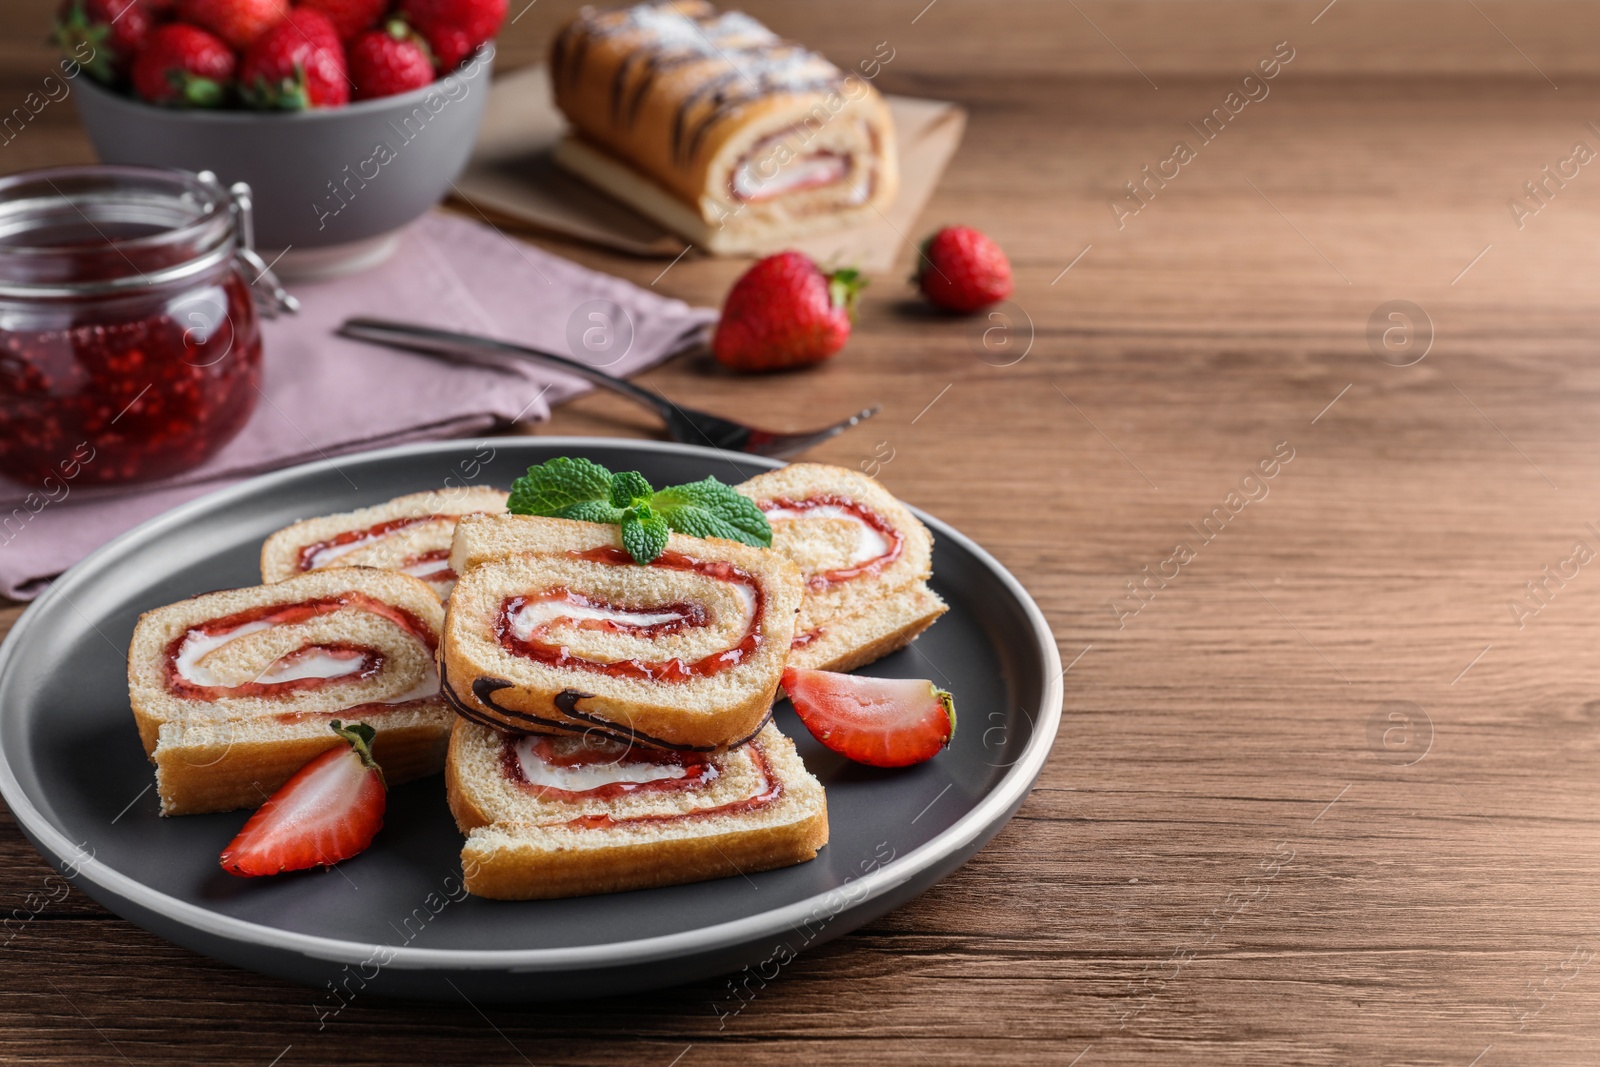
pixel 1239 853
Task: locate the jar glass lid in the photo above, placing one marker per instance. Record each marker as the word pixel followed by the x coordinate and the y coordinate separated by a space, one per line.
pixel 73 231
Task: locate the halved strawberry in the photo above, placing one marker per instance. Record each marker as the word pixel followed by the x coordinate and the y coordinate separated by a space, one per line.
pixel 329 811
pixel 882 722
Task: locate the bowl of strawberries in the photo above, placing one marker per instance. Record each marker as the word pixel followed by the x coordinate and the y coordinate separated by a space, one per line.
pixel 347 118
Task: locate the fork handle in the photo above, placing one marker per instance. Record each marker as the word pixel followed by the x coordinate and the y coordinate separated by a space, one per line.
pixel 449 344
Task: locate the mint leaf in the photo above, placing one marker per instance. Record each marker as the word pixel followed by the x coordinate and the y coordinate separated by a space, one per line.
pixel 629 488
pixel 593 511
pixel 644 533
pixel 708 508
pixel 568 488
pixel 560 487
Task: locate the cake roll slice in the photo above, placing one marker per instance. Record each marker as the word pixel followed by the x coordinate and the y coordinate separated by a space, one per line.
pixel 567 816
pixel 864 557
pixel 553 627
pixel 233 691
pixel 717 128
pixel 410 534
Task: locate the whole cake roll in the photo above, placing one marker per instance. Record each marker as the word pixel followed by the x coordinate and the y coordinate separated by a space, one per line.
pixel 717 128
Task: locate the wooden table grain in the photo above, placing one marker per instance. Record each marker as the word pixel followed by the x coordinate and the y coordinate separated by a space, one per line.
pixel 1327 781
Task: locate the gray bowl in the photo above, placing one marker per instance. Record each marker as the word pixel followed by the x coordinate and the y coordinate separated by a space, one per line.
pixel 322 179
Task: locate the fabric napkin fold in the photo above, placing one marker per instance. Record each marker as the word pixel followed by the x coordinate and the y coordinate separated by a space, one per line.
pixel 323 395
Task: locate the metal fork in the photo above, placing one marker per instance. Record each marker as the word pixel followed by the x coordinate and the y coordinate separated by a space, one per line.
pixel 683 424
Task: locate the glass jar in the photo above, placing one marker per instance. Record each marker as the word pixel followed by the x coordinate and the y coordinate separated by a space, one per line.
pixel 129 344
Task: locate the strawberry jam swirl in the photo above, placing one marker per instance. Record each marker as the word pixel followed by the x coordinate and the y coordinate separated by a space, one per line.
pixel 309 667
pixel 586 768
pixel 878 543
pixel 768 790
pixel 579 611
pixel 802 640
pixel 432 566
pixel 321 553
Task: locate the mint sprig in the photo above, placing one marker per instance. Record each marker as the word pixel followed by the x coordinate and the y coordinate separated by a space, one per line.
pixel 644 533
pixel 567 488
pixel 710 509
pixel 556 487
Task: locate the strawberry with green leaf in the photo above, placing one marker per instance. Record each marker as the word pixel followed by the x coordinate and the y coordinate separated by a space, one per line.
pixel 454 28
pixel 882 722
pixel 785 312
pixel 388 61
pixel 329 811
pixel 296 65
pixel 184 66
pixel 103 36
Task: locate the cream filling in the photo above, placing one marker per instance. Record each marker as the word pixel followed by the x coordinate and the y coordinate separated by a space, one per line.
pixel 197 645
pixel 535 614
pixel 427 687
pixel 870 542
pixel 579 779
pixel 328 554
pixel 429 570
pixel 810 171
pixel 324 556
pixel 747 605
pixel 319 664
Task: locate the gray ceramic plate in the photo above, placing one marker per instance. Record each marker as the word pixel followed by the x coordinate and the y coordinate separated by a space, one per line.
pixel 394 920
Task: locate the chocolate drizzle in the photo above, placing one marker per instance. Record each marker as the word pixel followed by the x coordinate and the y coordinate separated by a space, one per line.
pixel 567 702
pixel 758 65
pixel 484 690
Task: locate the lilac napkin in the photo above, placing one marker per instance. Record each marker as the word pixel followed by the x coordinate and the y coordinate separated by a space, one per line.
pixel 325 396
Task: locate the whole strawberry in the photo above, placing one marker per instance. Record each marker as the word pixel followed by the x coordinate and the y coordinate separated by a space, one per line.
pixel 389 61
pixel 103 36
pixel 238 22
pixel 963 270
pixel 350 18
pixel 185 66
pixel 454 28
pixel 784 312
pixel 296 65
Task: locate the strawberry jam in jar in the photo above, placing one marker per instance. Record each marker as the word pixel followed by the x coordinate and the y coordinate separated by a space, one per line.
pixel 129 344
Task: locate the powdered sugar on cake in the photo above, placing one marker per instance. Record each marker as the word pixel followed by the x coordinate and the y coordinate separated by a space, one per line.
pixel 749 47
